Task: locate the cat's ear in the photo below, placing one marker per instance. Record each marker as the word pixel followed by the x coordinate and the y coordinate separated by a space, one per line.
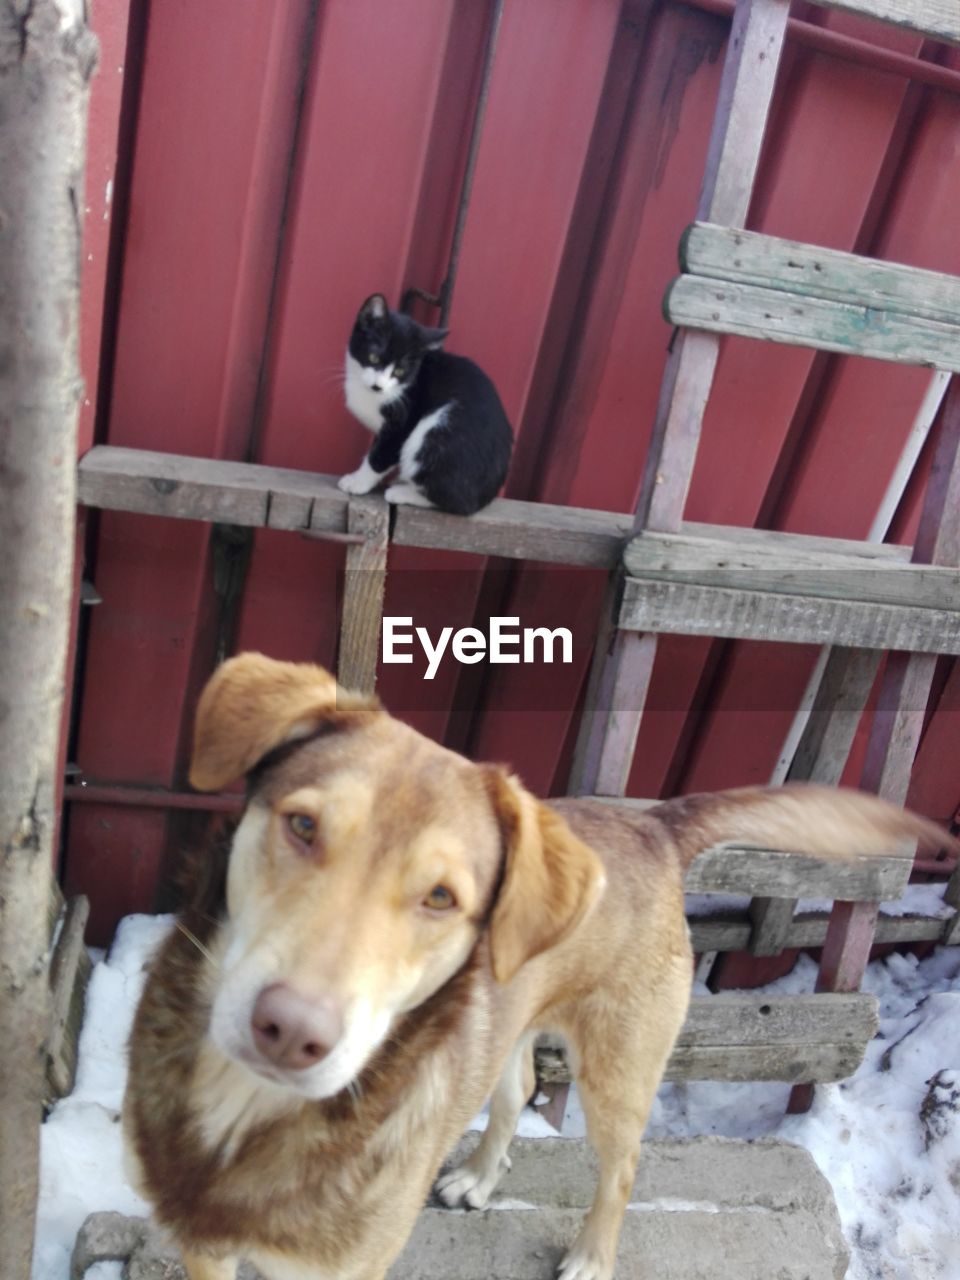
pixel 375 308
pixel 432 339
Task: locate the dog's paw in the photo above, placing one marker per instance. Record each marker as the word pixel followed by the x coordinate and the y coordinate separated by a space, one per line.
pixel 467 1187
pixel 360 481
pixel 583 1264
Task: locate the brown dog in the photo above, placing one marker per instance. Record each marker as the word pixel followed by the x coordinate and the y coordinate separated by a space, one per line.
pixel 398 926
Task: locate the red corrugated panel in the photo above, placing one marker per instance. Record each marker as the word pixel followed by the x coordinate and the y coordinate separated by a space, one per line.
pixel 216 123
pixel 589 167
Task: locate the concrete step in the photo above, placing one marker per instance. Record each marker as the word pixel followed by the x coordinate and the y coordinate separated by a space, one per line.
pixel 701 1209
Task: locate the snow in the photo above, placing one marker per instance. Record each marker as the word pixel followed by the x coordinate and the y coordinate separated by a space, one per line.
pixel 888 1139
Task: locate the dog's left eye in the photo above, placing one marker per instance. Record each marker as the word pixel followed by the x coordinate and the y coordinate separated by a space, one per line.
pixel 302 826
pixel 439 898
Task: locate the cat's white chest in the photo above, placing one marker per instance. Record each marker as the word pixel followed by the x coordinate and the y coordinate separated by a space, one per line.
pixel 364 403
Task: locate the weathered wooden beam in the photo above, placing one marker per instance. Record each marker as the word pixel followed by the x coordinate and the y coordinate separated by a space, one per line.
pixel 788 1063
pixel 734 869
pixel 733 930
pixel 162 484
pixel 792 570
pixel 937 18
pixel 847 678
pixel 690 609
pixel 775 316
pixel 748 1037
pixel 775 541
pixel 519 531
pixel 364 584
pixel 211 489
pixel 771 919
pixel 749 258
pixel 70 969
pixel 743 106
pixel 951 929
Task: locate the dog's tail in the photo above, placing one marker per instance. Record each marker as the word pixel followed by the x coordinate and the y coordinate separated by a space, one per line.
pixel 824 822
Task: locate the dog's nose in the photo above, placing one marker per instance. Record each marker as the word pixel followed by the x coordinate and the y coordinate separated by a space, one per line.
pixel 291 1031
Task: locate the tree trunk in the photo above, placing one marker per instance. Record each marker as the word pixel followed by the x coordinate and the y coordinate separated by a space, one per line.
pixel 46 59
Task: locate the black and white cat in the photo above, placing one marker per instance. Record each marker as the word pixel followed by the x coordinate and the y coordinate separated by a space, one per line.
pixel 436 417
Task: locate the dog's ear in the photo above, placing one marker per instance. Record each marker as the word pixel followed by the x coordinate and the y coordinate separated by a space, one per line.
pixel 550 880
pixel 252 704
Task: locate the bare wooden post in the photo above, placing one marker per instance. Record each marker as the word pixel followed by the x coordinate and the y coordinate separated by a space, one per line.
pixel 617 691
pixel 364 585
pixel 46 58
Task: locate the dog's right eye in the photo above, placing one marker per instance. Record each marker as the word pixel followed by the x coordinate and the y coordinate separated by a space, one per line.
pixel 440 898
pixel 302 826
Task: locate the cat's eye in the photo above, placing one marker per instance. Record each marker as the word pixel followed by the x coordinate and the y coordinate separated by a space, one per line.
pixel 373 358
pixel 399 370
pixel 440 898
pixel 302 827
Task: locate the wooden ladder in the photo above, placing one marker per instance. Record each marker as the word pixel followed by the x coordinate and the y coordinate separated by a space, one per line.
pixel 856 598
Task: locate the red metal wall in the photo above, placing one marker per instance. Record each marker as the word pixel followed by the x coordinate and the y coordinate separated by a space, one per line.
pixel 290 158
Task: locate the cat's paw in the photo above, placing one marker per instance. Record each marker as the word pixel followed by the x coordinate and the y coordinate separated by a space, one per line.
pixel 406 495
pixel 363 480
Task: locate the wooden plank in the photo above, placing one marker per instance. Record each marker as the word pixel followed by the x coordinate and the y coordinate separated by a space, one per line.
pixel 771 919
pixel 519 531
pixel 821 754
pixel 690 609
pixel 746 257
pixel 851 933
pixel 679 557
pixel 733 930
pixel 937 18
pixel 148 483
pixel 166 484
pixel 364 585
pixel 611 718
pixel 749 1037
pixel 774 316
pixel 554 1109
pixel 778 874
pixel 70 969
pixel 598 734
pixel 898 724
pixel 775 540
pixel 951 930
pixel 846 948
pixel 789 1063
pixel 752 1019
pixel 743 105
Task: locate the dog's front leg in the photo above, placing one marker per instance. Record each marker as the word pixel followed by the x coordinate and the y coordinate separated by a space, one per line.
pixel 201 1267
pixel 474 1182
pixel 621 1061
